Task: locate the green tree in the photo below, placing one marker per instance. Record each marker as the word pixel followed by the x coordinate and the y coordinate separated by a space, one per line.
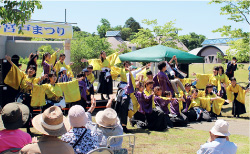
pixel 192 40
pixel 238 11
pixel 125 33
pixel 18 12
pixel 103 28
pixel 87 47
pixel 133 24
pixel 166 35
pixel 76 29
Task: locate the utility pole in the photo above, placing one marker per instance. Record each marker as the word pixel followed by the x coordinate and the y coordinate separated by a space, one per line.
pixel 65 16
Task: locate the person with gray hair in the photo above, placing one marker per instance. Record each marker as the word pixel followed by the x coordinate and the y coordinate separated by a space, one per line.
pixel 218 143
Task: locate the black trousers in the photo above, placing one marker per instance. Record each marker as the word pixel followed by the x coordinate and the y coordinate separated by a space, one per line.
pixel 123 110
pixel 238 107
pixel 27 101
pixel 105 87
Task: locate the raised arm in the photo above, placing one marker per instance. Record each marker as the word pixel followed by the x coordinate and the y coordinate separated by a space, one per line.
pixel 8 58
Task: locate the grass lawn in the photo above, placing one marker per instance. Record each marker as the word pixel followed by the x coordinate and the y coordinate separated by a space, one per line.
pixel 241 74
pixel 183 140
pixel 178 141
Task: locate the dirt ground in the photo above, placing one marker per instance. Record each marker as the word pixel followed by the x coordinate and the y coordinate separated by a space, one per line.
pixel 236 126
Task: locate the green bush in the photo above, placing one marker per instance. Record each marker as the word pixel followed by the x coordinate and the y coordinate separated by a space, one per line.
pixel 87 47
pixel 24 60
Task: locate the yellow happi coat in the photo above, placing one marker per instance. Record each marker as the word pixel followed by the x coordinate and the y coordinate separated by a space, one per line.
pixel 236 89
pixel 58 66
pixel 204 79
pixel 70 90
pixel 91 78
pixel 110 61
pixel 216 104
pixel 136 105
pixel 52 59
pixel 17 79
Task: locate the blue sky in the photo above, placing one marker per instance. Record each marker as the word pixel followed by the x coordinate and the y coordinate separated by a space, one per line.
pixel 191 16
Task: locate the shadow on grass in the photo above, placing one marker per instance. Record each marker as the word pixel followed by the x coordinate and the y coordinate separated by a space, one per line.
pixel 147 131
pixel 231 117
pixel 225 110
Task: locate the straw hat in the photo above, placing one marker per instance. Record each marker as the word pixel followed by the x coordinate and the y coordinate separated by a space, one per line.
pixel 107 118
pixel 220 128
pixel 77 116
pixel 51 122
pixel 14 115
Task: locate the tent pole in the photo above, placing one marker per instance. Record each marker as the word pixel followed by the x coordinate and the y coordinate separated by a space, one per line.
pixel 203 69
pixel 152 67
pixel 155 68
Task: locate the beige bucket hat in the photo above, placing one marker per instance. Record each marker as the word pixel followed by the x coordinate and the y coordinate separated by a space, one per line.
pixel 220 128
pixel 107 118
pixel 51 122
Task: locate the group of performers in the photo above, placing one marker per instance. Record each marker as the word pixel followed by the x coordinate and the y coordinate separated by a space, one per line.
pixel 157 102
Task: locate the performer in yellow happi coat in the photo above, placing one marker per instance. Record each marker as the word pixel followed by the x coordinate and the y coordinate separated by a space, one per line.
pixel 59 64
pixel 18 79
pixel 56 93
pixel 215 105
pixel 104 64
pixel 236 95
pixel 213 79
pixel 224 82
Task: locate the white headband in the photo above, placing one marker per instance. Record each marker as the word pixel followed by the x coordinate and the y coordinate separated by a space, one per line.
pixel 51 127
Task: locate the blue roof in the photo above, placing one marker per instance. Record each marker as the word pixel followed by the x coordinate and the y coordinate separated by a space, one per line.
pixel 218 41
pixel 113 33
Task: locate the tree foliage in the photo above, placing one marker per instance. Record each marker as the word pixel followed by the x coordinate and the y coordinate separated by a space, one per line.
pixel 133 24
pixel 88 47
pixel 125 33
pixel 192 40
pixel 76 29
pixel 166 35
pixel 18 12
pixel 103 28
pixel 239 12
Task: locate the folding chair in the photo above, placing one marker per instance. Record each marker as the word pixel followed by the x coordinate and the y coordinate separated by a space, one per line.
pixel 11 151
pixel 103 150
pixel 131 141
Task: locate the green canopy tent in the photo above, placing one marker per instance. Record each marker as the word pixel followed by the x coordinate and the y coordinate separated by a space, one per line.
pixel 160 53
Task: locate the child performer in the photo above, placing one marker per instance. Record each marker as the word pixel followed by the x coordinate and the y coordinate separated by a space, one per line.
pixel 236 94
pixel 91 79
pixel 224 82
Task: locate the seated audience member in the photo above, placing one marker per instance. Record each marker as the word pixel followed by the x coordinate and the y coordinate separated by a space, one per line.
pixel 107 124
pixel 79 137
pixel 52 124
pixel 218 143
pixel 13 116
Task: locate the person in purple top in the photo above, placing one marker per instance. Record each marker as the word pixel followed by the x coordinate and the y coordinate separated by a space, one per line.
pixel 163 103
pixel 155 117
pixel 83 91
pixel 162 80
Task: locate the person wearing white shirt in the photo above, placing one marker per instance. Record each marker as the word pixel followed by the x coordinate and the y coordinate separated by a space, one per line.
pixel 135 72
pixel 218 143
pixel 174 81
